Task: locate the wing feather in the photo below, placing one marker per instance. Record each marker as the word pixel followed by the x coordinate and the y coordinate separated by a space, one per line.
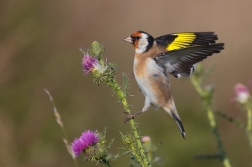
pixel 182 61
pixel 185 39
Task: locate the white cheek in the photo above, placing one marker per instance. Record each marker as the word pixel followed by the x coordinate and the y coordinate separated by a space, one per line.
pixel 144 36
pixel 142 44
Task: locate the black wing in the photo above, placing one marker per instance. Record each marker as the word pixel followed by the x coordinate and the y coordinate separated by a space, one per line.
pixel 181 62
pixel 185 39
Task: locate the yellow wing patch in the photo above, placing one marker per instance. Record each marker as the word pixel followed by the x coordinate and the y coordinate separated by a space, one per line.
pixel 181 41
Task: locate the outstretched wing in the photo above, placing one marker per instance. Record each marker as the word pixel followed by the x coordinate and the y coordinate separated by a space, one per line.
pixel 185 39
pixel 181 62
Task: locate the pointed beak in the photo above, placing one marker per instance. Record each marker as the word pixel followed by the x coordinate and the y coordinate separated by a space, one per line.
pixel 128 39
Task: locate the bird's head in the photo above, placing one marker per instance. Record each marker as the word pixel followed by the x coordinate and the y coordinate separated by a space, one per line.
pixel 141 41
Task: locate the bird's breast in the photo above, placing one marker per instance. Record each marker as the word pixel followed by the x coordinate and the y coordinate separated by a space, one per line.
pixel 152 81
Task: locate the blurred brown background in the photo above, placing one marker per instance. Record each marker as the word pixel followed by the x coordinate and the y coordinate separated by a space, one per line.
pixel 39 48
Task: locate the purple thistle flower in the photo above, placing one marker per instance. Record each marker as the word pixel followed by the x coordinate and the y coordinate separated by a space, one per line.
pixel 242 93
pixel 89 63
pixel 88 138
pixel 92 63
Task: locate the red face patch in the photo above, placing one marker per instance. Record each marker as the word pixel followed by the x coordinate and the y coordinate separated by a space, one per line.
pixel 136 34
pixel 135 38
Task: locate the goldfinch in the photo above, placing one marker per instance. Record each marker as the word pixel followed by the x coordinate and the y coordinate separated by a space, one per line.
pixel 176 54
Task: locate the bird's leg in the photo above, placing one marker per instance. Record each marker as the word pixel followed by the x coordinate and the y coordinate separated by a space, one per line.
pixel 145 108
pixel 131 116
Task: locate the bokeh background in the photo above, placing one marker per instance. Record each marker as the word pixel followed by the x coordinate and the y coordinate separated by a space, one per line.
pixel 39 48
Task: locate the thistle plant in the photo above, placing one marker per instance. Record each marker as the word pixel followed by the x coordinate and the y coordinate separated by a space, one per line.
pixel 104 72
pixel 244 101
pixel 243 98
pixel 242 94
pixel 92 144
pixel 206 95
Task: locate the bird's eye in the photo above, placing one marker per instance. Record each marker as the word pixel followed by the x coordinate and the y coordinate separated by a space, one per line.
pixel 135 38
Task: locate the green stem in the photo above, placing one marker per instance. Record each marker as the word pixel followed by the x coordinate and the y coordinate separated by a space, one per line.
pixel 134 152
pixel 149 154
pixel 206 97
pixel 230 119
pixel 249 123
pixel 117 89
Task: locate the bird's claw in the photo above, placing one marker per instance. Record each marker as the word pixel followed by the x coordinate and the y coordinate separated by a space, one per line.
pixel 129 117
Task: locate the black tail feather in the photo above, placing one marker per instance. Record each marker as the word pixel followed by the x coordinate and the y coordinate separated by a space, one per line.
pixel 180 125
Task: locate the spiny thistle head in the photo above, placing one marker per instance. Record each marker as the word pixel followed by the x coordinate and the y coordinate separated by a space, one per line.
pixel 92 64
pixel 146 139
pixel 97 49
pixel 242 93
pixel 87 140
pixel 147 144
pixel 92 144
pixel 102 70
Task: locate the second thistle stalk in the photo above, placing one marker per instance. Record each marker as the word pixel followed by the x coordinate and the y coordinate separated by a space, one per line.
pixel 249 123
pixel 206 97
pixel 243 98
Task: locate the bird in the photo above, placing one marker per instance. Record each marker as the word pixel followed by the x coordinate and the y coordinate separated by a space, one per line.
pixel 174 54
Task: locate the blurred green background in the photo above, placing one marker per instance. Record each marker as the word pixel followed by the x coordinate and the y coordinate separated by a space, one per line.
pixel 39 48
